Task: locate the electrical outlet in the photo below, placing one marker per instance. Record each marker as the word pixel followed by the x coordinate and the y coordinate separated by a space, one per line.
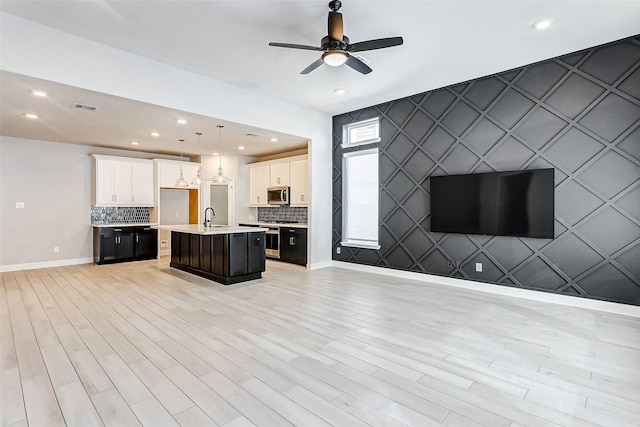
pixel 19 205
pixel 338 249
pixel 56 249
pixel 479 267
pixel 164 243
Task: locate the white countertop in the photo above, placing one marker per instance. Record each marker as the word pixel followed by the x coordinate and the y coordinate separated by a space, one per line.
pixel 126 224
pixel 275 224
pixel 201 229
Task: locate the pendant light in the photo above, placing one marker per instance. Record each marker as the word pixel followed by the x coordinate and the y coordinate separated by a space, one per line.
pixel 197 180
pixel 220 178
pixel 181 182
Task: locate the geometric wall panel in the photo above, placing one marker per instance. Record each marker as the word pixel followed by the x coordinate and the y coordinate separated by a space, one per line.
pixel 578 114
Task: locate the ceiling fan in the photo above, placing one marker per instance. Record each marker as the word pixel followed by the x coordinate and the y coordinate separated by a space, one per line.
pixel 336 47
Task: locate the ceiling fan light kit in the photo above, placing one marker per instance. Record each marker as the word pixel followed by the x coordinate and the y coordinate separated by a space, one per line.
pixel 334 58
pixel 336 47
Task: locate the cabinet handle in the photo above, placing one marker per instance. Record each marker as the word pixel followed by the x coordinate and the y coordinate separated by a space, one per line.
pixel 258 199
pixel 136 238
pixel 133 198
pixel 292 241
pixel 278 180
pixel 302 197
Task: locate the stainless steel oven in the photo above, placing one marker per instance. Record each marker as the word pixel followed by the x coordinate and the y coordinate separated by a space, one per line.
pixel 273 242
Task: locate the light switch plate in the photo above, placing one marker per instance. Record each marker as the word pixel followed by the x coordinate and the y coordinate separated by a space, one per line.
pixel 19 205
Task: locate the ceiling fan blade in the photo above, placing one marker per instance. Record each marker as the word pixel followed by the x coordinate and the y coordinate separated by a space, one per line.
pixel 295 46
pixel 358 65
pixel 318 62
pixel 375 44
pixel 335 26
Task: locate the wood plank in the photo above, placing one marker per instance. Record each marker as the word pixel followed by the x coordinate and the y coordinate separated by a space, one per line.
pixel 77 408
pixel 138 343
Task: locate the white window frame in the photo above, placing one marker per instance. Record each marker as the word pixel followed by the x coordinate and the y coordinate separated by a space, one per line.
pixel 353 242
pixel 346 132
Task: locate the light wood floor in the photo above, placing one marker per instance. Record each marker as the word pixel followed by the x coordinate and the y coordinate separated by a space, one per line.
pixel 142 344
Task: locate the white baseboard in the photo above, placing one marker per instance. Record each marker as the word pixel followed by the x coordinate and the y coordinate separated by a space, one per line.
pixel 318 265
pixel 605 306
pixel 45 264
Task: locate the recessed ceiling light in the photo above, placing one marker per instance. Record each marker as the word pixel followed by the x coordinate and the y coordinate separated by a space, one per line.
pixel 30 116
pixel 39 93
pixel 155 134
pixel 273 139
pixel 134 142
pixel 340 91
pixel 542 24
pixel 241 147
pixel 181 121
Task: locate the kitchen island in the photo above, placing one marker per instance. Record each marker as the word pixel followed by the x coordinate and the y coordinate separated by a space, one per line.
pixel 225 254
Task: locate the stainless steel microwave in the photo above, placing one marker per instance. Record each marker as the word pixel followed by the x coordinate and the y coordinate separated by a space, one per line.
pixel 278 195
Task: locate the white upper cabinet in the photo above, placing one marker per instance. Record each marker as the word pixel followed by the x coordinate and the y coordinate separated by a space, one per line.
pixel 104 191
pixel 287 172
pixel 299 177
pixel 142 189
pixel 279 175
pixel 258 184
pixel 169 172
pixel 120 181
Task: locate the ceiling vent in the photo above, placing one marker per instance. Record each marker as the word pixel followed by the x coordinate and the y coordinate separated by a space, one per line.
pixel 85 107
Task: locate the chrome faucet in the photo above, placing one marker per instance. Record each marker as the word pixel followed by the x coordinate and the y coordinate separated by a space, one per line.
pixel 207 222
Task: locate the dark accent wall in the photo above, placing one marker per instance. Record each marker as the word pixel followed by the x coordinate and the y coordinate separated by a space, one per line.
pixel 579 113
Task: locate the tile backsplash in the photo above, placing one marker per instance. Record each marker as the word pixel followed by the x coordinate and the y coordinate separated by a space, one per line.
pixel 283 213
pixel 118 214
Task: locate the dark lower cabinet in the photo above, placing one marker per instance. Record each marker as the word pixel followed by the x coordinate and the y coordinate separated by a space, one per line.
pixel 224 258
pixel 119 244
pixel 145 245
pixel 293 245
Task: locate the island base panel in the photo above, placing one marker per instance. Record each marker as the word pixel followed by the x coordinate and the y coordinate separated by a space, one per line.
pixel 216 278
pixel 224 258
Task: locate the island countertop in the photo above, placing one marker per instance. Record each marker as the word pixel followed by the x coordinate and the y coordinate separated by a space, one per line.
pixel 216 229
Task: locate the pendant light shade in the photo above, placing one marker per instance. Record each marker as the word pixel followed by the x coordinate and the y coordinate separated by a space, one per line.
pixel 197 180
pixel 181 182
pixel 220 178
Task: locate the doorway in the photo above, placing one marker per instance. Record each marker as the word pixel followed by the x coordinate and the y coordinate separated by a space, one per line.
pixel 220 197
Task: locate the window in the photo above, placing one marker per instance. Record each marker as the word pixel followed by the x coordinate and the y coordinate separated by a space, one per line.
pixel 360 193
pixel 360 133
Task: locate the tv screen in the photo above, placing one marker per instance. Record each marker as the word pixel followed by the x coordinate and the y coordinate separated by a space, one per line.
pixel 516 203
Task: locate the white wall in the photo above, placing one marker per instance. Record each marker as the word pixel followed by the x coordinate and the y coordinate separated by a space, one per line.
pixel 54 182
pixel 42 52
pixel 175 206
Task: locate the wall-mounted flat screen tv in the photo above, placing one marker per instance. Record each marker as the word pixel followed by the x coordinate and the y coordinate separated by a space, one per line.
pixel 516 203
